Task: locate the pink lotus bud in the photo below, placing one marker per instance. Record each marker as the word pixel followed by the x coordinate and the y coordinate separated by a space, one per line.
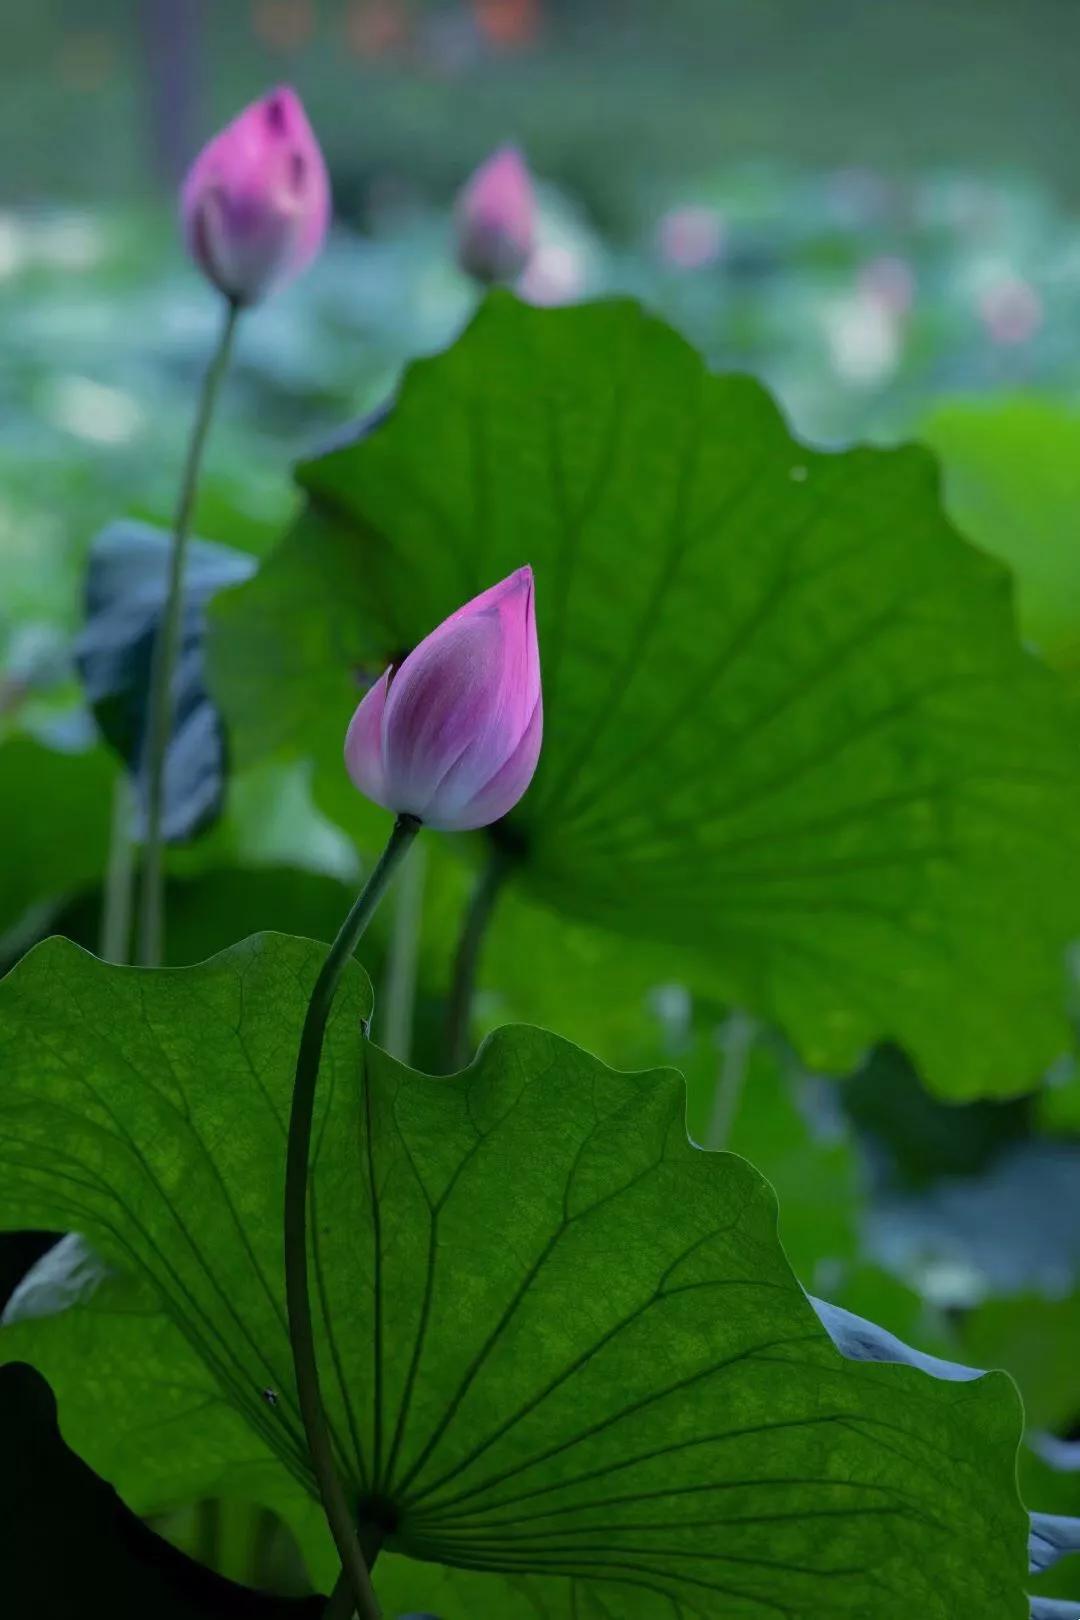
pixel 452 734
pixel 256 203
pixel 495 218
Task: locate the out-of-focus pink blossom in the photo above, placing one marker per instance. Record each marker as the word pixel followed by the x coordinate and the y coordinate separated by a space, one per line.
pixel 557 274
pixel 496 218
pixel 1011 310
pixel 888 281
pixel 508 24
pixel 452 734
pixel 691 238
pixel 256 203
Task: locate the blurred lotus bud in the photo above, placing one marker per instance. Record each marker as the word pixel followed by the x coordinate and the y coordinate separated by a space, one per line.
pixel 888 281
pixel 452 733
pixel 1011 310
pixel 256 202
pixel 557 273
pixel 495 218
pixel 691 238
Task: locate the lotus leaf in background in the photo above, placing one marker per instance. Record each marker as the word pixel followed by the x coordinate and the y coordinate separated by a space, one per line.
pixel 1012 481
pixel 793 747
pixel 55 810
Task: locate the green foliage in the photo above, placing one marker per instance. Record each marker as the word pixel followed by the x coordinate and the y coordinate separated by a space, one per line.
pixel 1035 1338
pixel 1012 481
pixel 745 1094
pixel 1056 1490
pixel 791 740
pixel 55 811
pixel 504 1399
pixel 920 1137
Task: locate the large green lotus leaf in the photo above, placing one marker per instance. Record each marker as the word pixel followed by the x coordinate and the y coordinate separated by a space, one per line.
pixel 563 1351
pixel 1012 481
pixel 791 738
pixel 55 810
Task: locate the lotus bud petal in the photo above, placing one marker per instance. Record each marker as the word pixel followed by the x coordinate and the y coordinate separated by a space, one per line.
pixel 451 735
pixel 256 203
pixel 496 218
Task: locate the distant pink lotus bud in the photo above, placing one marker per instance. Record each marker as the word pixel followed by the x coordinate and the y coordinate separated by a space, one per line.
pixel 256 203
pixel 691 238
pixel 496 216
pixel 452 734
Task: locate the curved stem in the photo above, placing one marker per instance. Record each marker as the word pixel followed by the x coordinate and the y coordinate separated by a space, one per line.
pixel 463 984
pixel 301 1334
pixel 399 986
pixel 340 1605
pixel 166 648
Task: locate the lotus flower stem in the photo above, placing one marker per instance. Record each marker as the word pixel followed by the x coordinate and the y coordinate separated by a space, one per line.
pixel 739 1038
pixel 166 647
pixel 467 956
pixel 116 902
pixel 339 1514
pixel 399 989
pixel 340 1604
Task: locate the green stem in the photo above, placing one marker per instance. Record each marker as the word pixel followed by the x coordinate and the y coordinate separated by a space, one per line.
pixel 463 983
pixel 166 648
pixel 116 903
pixel 340 1605
pixel 399 991
pixel 339 1515
pixel 740 1033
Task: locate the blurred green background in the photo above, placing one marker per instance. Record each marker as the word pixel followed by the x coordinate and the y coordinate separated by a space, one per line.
pixel 873 207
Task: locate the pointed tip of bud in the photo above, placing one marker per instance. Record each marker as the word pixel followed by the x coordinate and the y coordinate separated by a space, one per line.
pixel 496 217
pixel 455 736
pixel 255 206
pixel 506 166
pixel 520 580
pixel 281 106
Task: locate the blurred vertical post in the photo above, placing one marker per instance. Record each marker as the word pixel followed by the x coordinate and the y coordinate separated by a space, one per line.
pixel 172 61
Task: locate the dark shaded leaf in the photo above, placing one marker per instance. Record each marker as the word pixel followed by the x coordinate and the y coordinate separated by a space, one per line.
pixel 126 586
pixel 918 1138
pixel 70 1548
